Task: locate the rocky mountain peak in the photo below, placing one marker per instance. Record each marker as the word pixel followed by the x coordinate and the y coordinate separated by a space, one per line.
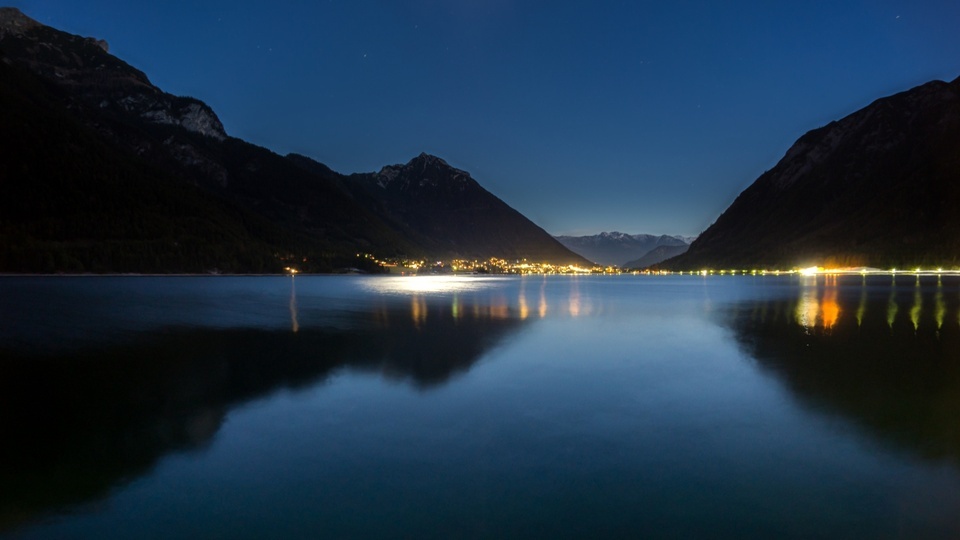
pixel 429 163
pixel 428 159
pixel 422 171
pixel 14 22
pixel 100 80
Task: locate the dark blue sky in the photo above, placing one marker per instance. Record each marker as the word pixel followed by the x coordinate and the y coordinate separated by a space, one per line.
pixel 585 116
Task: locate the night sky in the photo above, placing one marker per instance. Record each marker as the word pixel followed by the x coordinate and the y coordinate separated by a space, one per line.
pixel 641 117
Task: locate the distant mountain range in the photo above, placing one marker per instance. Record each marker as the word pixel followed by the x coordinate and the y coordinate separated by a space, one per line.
pixel 101 171
pixel 625 250
pixel 878 188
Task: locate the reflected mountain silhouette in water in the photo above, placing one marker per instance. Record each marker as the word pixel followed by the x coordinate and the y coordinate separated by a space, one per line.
pixel 78 423
pixel 881 352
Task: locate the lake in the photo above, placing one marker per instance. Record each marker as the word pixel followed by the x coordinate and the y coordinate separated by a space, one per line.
pixel 478 407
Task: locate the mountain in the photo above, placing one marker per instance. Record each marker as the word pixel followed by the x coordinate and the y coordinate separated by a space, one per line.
pixel 70 201
pixel 447 212
pixel 656 255
pixel 103 171
pixel 878 188
pixel 614 248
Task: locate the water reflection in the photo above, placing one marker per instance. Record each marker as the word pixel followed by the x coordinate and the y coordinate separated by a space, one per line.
pixel 522 301
pixel 418 310
pixel 575 299
pixel 78 422
pixel 542 304
pixel 293 304
pixel 885 355
pixel 892 307
pixel 916 307
pixel 818 307
pixel 862 305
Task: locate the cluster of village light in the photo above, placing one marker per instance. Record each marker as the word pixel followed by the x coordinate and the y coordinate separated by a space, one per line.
pixel 495 265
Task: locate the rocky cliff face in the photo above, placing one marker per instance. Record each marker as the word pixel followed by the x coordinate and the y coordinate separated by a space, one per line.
pixel 13 22
pixel 97 78
pixel 191 115
pixel 879 187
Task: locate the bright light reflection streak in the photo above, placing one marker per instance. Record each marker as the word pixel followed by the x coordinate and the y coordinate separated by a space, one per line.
pixel 830 308
pixel 862 308
pixel 522 301
pixel 941 307
pixel 808 308
pixel 542 308
pixel 917 305
pixel 293 304
pixel 575 299
pixel 418 310
pixel 891 308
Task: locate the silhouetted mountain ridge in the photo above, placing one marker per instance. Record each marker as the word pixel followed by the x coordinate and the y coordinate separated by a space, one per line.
pixel 879 187
pixel 446 212
pixel 310 214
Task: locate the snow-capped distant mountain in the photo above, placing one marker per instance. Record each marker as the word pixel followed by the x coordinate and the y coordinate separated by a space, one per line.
pixel 616 248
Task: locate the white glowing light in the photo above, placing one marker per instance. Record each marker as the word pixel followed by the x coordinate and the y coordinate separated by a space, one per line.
pixel 428 284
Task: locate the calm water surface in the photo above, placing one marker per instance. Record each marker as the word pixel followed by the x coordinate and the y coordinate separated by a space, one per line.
pixel 359 407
